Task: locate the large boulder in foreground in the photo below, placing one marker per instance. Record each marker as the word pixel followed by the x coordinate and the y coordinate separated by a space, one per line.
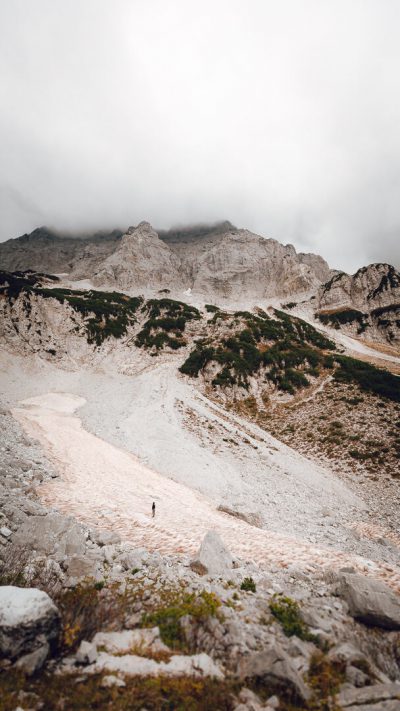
pixel 214 555
pixel 29 624
pixel 370 601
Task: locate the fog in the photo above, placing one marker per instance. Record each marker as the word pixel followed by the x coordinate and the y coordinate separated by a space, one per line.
pixel 282 117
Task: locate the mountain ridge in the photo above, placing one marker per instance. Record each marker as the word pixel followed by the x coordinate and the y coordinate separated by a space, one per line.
pixel 221 264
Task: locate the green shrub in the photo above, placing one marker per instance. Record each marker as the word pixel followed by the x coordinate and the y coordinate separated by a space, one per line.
pixel 166 317
pixel 105 313
pixel 249 585
pixel 168 617
pixel 287 612
pixel 345 316
pixel 368 377
pixel 285 346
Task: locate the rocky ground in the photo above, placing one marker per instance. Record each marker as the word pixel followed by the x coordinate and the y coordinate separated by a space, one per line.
pixel 129 627
pixel 269 577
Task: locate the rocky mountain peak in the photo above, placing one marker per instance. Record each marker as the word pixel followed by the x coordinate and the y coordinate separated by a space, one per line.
pixel 377 285
pixel 142 228
pixel 140 260
pixel 367 302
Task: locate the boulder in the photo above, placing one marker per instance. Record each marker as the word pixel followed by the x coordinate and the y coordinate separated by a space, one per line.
pixel 249 701
pixel 52 535
pixel 111 680
pixel 80 567
pixel 254 519
pixel 103 537
pixel 133 559
pixel 370 601
pixel 214 555
pixel 275 668
pixel 28 621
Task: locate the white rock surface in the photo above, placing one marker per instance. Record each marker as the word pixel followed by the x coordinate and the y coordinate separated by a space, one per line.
pixel 120 642
pixel 199 665
pixel 86 653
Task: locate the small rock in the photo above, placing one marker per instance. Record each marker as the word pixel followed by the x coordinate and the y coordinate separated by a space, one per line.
pixel 111 680
pixel 5 531
pixel 104 538
pixel 87 653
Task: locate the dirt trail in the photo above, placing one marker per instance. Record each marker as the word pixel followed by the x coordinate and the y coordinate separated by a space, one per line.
pixel 105 486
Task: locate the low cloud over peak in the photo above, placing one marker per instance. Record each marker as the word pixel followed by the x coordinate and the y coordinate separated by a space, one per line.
pixel 282 116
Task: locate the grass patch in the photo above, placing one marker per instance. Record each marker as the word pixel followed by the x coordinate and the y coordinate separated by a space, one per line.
pixel 168 617
pixel 86 609
pixel 287 612
pixel 76 693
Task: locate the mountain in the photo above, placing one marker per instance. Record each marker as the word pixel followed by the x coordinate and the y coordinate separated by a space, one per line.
pixel 46 250
pixel 272 459
pixel 219 261
pixel 222 265
pixel 365 304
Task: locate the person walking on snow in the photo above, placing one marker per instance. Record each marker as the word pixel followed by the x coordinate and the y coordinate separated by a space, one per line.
pixel 153 509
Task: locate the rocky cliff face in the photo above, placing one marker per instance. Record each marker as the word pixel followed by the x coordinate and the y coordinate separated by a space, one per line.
pixel 141 260
pixel 367 303
pixel 225 263
pixel 241 264
pixel 218 262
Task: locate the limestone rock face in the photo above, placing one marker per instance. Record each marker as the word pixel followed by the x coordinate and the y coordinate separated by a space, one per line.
pixel 215 262
pixel 239 264
pixel 367 303
pixel 226 265
pixel 375 286
pixel 29 620
pixel 141 260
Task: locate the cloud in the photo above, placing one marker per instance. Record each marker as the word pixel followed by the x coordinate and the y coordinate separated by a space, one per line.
pixel 281 117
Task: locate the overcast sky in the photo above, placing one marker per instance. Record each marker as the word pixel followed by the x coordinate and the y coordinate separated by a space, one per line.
pixel 282 116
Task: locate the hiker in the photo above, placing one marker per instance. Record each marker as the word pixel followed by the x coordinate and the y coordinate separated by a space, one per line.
pixel 153 509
